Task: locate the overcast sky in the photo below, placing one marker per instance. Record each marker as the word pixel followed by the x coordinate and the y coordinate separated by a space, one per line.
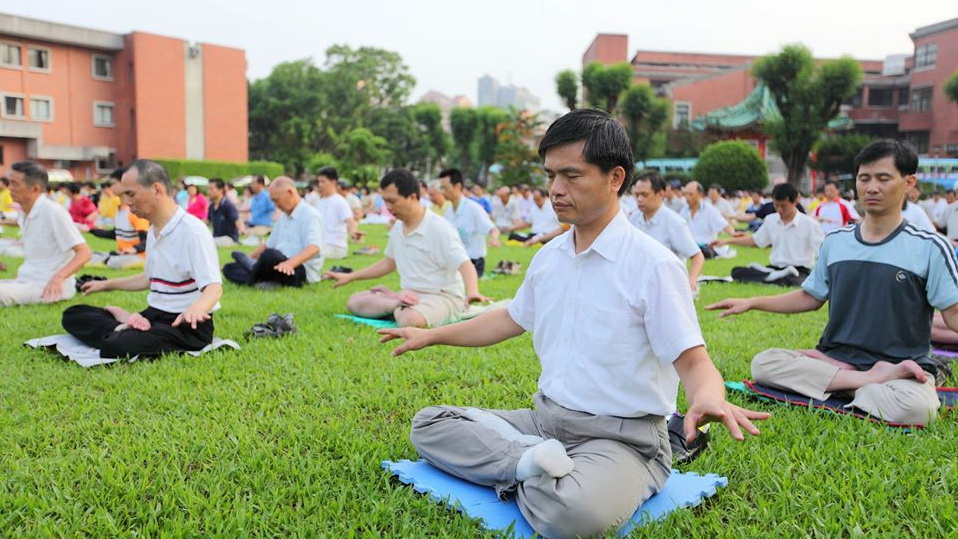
pixel 448 45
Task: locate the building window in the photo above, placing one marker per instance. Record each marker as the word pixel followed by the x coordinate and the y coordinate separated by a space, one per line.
pixel 10 55
pixel 12 106
pixel 903 97
pixel 926 55
pixel 918 140
pixel 855 101
pixel 683 115
pixel 41 109
pixel 106 164
pixel 103 114
pixel 102 67
pixel 881 97
pixel 38 59
pixel 921 99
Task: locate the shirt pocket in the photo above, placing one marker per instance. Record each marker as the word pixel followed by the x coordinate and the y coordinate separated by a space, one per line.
pixel 606 334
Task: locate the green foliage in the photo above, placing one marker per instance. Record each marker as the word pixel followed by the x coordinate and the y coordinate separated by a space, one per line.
pixel 463 122
pixel 567 86
pixel 516 150
pixel 179 168
pixel 320 160
pixel 951 87
pixel 362 154
pixel 808 97
pixel 733 164
pixel 836 155
pixel 645 117
pixel 488 124
pixel 603 85
pixel 684 142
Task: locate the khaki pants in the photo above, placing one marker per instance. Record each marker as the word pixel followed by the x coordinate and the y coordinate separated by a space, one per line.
pixel 439 309
pixel 904 401
pixel 23 293
pixel 619 462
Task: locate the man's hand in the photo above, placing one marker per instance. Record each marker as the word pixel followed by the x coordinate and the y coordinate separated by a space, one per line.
pixel 358 236
pixel 340 278
pixel 90 287
pixel 3 267
pixel 734 418
pixel 731 306
pixel 138 321
pixel 53 291
pixel 494 241
pixel 530 242
pixel 476 297
pixel 191 316
pixel 285 267
pixel 415 338
pixel 718 243
pixel 694 285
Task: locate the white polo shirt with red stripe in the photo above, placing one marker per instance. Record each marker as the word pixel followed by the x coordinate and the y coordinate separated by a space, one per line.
pixel 180 262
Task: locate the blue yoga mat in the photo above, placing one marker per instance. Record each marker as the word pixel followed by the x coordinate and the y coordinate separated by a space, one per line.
pixel 374 322
pixel 681 490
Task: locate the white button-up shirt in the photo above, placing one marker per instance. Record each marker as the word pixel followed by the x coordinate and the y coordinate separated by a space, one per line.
pixel 336 214
pixel 544 219
pixel 608 323
pixel 294 232
pixel 506 215
pixel 428 258
pixel 669 229
pixel 180 262
pixel 48 236
pixel 793 244
pixel 473 225
pixel 706 224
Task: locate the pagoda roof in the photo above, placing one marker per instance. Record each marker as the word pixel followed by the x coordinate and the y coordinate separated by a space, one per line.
pixel 751 113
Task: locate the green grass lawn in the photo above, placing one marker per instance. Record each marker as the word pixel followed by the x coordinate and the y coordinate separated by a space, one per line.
pixel 285 437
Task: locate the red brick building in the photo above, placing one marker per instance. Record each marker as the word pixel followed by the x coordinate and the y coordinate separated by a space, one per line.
pixel 88 101
pixel 900 97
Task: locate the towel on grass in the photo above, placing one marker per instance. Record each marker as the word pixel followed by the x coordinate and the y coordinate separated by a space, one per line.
pixel 71 348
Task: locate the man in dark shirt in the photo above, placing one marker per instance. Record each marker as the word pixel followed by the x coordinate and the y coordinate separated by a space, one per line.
pixel 227 225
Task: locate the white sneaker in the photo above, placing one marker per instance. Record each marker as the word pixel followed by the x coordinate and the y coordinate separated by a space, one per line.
pixel 776 275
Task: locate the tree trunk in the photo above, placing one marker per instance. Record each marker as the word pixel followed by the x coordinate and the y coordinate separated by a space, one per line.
pixel 795 165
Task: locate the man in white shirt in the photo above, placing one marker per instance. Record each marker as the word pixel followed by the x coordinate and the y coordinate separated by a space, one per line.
pixel 437 279
pixel 292 255
pixel 835 212
pixel 674 200
pixel 181 273
pixel 506 212
pixel 664 225
pixel 614 328
pixel 355 204
pixel 338 217
pixel 705 222
pixel 542 220
pixel 470 219
pixel 914 213
pixel 795 239
pixel 53 249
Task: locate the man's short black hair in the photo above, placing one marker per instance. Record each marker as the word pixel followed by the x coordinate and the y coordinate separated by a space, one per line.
pixel 906 160
pixel 33 173
pixel 717 187
pixel 785 191
pixel 606 143
pixel 329 172
pixel 219 183
pixel 151 172
pixel 454 175
pixel 834 183
pixel 118 173
pixel 654 179
pixel 260 179
pixel 404 181
pixel 73 187
pixel 542 192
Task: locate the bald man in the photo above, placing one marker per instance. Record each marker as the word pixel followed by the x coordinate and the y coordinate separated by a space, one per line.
pixel 291 256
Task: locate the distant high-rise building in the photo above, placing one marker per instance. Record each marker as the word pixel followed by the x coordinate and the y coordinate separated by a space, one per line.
pixel 445 103
pixel 488 91
pixel 493 94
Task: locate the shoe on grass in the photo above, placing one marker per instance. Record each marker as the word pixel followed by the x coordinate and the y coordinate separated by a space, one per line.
pixel 275 326
pixel 683 452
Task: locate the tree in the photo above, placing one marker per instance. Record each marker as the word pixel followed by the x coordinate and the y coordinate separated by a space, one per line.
pixel 951 87
pixel 645 116
pixel 604 84
pixel 567 86
pixel 808 97
pixel 428 116
pixel 463 122
pixel 516 151
pixel 361 154
pixel 733 164
pixel 835 155
pixel 488 121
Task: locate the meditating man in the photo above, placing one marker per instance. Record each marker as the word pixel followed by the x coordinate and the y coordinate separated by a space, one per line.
pixel 469 218
pixel 292 255
pixel 181 273
pixel 52 247
pixel 338 217
pixel 882 280
pixel 794 237
pixel 705 222
pixel 437 278
pixel 614 328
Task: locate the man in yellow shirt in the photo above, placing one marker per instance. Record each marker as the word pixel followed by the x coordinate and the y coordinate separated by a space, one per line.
pixel 7 206
pixel 108 206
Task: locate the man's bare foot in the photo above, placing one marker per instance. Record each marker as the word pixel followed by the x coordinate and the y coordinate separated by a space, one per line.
pixel 406 298
pixel 815 354
pixel 118 312
pixel 884 371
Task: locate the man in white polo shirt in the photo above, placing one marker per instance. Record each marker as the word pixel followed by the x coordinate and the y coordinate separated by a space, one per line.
pixel 705 222
pixel 438 281
pixel 614 328
pixel 664 225
pixel 181 273
pixel 470 219
pixel 795 239
pixel 53 248
pixel 292 255
pixel 542 220
pixel 340 225
pixel 506 210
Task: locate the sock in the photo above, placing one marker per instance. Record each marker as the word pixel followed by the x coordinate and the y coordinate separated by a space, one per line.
pixel 549 457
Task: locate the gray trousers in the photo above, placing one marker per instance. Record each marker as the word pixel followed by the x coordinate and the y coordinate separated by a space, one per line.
pixel 619 462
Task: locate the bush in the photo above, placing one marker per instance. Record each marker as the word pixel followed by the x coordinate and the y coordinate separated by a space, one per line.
pixel 733 164
pixel 179 168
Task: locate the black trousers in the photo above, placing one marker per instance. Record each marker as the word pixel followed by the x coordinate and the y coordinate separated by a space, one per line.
pixel 480 265
pixel 755 276
pixel 96 327
pixel 263 271
pixel 103 233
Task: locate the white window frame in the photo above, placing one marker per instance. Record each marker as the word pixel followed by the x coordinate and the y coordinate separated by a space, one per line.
pixel 48 99
pixel 109 60
pixel 12 66
pixel 49 59
pixel 923 50
pixel 3 106
pixel 96 105
pixel 676 123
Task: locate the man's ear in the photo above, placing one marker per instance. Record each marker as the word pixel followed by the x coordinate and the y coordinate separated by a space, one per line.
pixel 617 178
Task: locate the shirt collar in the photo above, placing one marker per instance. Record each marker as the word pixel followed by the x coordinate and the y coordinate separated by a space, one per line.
pixel 175 220
pixel 420 228
pixel 298 210
pixel 41 200
pixel 608 242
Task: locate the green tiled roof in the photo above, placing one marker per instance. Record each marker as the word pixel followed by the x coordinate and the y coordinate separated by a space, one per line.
pixel 751 113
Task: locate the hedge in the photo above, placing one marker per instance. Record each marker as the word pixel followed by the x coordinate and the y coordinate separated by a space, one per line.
pixel 179 168
pixel 733 164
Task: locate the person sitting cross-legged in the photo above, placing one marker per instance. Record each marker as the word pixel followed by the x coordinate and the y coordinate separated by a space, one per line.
pixel 882 278
pixel 614 328
pixel 794 237
pixel 292 254
pixel 181 273
pixel 437 278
